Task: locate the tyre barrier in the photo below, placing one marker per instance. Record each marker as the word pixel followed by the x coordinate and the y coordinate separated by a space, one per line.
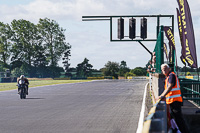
pixel 156 121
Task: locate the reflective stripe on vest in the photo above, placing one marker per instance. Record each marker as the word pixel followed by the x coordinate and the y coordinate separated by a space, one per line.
pixel 173 96
pixel 175 89
pixel 175 93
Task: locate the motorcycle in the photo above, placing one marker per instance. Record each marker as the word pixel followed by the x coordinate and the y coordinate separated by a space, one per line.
pixel 22 89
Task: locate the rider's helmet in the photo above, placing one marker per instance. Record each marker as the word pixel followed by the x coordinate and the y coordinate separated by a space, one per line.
pixel 21 77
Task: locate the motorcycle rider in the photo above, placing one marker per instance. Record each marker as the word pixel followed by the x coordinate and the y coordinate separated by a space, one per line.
pixel 24 81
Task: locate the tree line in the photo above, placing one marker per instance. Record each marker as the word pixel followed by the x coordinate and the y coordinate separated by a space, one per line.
pixel 121 69
pixel 114 69
pixel 32 49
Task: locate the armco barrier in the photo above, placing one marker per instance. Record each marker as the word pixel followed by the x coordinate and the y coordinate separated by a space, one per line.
pixel 156 121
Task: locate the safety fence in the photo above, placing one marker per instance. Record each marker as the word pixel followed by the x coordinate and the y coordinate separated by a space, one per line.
pixel 190 90
pixel 156 121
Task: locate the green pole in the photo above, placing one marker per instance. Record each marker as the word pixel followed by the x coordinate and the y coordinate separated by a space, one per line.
pixel 159 50
pixel 173 51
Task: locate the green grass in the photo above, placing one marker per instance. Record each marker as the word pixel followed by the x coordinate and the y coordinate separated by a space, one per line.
pixel 12 86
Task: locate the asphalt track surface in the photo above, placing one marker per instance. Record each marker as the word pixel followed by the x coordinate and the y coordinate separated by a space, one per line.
pixel 111 106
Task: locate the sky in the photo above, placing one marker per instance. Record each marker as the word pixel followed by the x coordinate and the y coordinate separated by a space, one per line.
pixel 91 39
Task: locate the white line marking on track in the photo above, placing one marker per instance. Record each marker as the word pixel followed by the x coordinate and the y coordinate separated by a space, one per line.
pixel 141 119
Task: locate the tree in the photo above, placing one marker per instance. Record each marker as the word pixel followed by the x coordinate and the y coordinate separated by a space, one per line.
pixel 25 39
pixel 54 40
pixel 54 71
pixel 5 42
pixel 111 69
pixel 2 69
pixel 23 70
pixel 84 69
pixel 139 71
pixel 66 59
pixel 40 61
pixel 123 69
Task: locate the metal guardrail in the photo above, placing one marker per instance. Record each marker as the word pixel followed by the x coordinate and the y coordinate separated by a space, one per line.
pixel 156 121
pixel 190 90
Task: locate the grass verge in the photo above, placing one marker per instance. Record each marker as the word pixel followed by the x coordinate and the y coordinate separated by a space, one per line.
pixel 35 83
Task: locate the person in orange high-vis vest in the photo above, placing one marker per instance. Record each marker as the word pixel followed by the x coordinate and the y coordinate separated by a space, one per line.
pixel 172 94
pixel 175 93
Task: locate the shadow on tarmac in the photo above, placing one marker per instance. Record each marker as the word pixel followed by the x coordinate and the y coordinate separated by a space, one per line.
pixel 35 98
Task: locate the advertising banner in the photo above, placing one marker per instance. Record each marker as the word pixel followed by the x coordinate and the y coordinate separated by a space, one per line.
pixel 165 50
pixel 188 33
pixel 179 20
pixel 170 37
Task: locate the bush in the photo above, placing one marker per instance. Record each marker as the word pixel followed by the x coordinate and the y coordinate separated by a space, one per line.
pixel 129 74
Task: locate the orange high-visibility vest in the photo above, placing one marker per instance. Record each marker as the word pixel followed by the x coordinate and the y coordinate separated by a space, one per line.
pixel 175 93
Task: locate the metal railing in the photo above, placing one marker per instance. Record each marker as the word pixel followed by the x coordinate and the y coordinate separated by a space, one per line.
pixel 156 121
pixel 190 90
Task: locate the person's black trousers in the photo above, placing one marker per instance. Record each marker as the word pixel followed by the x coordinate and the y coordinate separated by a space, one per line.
pixel 177 115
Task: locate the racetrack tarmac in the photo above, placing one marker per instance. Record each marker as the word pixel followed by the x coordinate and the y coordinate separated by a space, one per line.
pixel 107 106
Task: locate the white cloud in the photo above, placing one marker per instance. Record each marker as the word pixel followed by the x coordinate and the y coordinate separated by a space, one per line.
pixel 53 9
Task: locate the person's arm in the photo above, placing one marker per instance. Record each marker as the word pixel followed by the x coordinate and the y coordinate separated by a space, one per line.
pixel 26 80
pixel 165 92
